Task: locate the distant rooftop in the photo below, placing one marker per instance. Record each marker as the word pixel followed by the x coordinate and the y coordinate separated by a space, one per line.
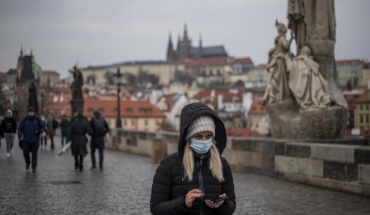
pixel 127 63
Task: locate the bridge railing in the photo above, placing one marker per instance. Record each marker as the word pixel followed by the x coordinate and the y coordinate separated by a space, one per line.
pixel 339 166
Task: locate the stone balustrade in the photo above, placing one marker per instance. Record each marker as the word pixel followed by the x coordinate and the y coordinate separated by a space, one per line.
pixel 339 165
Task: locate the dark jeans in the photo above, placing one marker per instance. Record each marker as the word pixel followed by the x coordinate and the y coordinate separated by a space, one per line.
pixel 51 141
pixel 30 148
pixel 101 157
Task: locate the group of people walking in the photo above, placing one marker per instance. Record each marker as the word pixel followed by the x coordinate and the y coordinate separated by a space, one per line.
pixel 32 131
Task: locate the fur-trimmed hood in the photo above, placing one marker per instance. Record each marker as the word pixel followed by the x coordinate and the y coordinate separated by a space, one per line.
pixel 192 111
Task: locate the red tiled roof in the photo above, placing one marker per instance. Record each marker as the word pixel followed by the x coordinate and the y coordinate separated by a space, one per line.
pixel 364 96
pixel 205 97
pixel 257 108
pixel 129 108
pixel 245 60
pixel 108 106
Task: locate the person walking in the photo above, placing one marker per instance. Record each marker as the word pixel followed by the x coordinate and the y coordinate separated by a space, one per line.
pixel 77 135
pixel 52 125
pixel 9 128
pixel 29 131
pixel 64 128
pixel 196 179
pixel 99 128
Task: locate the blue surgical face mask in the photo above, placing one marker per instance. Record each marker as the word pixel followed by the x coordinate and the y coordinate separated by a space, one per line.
pixel 201 146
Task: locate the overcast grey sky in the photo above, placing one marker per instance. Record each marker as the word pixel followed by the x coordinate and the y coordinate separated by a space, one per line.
pixel 99 32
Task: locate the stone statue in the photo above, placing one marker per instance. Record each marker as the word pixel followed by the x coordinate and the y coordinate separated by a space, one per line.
pixel 313 24
pixel 318 109
pixel 77 83
pixel 32 97
pixel 279 64
pixel 307 85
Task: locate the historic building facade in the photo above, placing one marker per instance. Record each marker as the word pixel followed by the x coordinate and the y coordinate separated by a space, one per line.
pixel 184 49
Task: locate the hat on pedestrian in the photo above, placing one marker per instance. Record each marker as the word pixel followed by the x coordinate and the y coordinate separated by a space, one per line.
pixel 9 111
pixel 201 124
pixel 30 109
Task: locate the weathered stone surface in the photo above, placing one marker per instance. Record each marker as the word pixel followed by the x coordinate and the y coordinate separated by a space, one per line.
pixel 288 122
pixel 366 190
pixel 364 173
pixel 330 152
pixel 341 171
pixel 362 155
pixel 353 187
pixel 302 166
pixel 301 150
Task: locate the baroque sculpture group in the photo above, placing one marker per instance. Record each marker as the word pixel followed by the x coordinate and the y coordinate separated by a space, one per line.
pixel 302 97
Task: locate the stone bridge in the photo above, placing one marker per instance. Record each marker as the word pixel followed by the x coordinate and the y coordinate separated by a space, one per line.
pixel 124 188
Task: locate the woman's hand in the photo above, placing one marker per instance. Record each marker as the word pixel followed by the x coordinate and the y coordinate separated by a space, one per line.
pixel 212 204
pixel 191 196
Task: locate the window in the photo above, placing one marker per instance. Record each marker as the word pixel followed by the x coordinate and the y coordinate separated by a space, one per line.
pixel 360 107
pixel 124 122
pixel 361 119
pixel 367 118
pixel 129 110
pixel 366 107
pixel 146 122
pixel 133 122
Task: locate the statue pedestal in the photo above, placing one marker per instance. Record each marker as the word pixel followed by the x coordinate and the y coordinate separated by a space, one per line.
pixel 287 121
pixel 76 104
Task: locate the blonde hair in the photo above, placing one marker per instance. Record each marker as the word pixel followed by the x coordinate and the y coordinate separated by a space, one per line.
pixel 215 164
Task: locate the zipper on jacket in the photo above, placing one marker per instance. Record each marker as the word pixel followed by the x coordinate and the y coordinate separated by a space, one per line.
pixel 201 185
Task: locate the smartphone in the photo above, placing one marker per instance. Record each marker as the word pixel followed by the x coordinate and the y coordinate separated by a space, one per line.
pixel 220 199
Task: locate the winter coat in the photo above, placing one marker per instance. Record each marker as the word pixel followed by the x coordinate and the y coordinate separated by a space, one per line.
pixel 64 127
pixel 77 135
pixel 97 139
pixel 49 124
pixel 9 125
pixel 30 129
pixel 169 185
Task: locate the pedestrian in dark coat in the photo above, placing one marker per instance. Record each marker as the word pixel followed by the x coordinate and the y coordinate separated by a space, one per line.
pixel 77 135
pixel 64 128
pixel 99 128
pixel 9 127
pixel 190 181
pixel 29 131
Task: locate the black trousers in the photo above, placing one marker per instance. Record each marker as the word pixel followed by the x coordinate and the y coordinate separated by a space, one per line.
pixel 101 157
pixel 79 161
pixel 30 148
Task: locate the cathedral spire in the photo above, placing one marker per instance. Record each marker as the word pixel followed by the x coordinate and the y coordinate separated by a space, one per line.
pixel 200 45
pixel 169 48
pixel 185 38
pixel 21 52
pixel 200 40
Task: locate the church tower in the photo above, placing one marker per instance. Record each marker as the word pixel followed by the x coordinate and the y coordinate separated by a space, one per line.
pixel 184 45
pixel 170 51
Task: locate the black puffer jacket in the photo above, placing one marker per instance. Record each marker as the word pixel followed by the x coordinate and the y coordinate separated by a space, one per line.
pixel 169 185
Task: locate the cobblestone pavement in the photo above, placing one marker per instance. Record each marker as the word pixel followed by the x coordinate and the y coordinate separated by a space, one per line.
pixel 124 188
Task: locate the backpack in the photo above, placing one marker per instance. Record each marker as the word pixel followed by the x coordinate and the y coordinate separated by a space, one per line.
pixel 99 127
